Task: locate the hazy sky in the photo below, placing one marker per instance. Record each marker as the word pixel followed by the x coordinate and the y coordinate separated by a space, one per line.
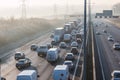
pixel 12 7
pixel 6 3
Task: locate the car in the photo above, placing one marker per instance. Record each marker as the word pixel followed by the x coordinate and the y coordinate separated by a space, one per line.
pixel 19 55
pixel 23 63
pixel 69 64
pixel 97 33
pixel 69 56
pixel 42 50
pixel 115 75
pixel 116 46
pixel 74 44
pixel 78 40
pixel 62 45
pixel 104 31
pixel 49 45
pixel 74 50
pixel 2 78
pixel 34 47
pixel 110 38
pixel 53 42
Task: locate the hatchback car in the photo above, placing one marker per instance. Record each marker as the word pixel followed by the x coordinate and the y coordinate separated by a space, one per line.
pixel 74 44
pixel 23 63
pixel 69 64
pixel 19 55
pixel 2 78
pixel 115 75
pixel 104 31
pixel 62 45
pixel 116 46
pixel 78 40
pixel 69 56
pixel 110 38
pixel 34 47
pixel 74 50
pixel 97 33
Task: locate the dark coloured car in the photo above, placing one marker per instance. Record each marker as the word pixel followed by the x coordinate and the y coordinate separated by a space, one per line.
pixel 69 56
pixel 78 40
pixel 34 47
pixel 74 50
pixel 53 42
pixel 2 78
pixel 19 55
pixel 62 45
pixel 23 63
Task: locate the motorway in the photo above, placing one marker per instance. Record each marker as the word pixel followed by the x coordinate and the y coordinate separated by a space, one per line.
pixel 44 69
pixel 110 58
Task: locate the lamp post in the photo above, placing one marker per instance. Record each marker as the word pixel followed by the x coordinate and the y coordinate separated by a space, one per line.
pixel 85 10
pixel 0 69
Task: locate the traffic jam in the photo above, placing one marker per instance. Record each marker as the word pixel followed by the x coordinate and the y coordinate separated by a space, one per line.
pixel 68 38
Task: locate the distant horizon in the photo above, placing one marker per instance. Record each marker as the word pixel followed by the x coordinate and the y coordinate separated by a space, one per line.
pixel 42 11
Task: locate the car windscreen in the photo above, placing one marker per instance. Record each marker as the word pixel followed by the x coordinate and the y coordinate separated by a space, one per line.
pixel 17 55
pixel 117 75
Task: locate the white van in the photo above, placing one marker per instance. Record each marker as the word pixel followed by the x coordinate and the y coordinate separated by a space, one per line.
pixel 67 37
pixel 27 75
pixel 115 75
pixel 52 55
pixel 61 72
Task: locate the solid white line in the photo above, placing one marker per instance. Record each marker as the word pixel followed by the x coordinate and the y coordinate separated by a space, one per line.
pixel 100 60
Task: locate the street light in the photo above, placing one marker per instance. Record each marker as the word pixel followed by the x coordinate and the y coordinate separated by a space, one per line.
pixel 85 10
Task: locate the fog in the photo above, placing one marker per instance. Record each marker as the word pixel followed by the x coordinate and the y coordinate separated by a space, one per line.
pixel 45 8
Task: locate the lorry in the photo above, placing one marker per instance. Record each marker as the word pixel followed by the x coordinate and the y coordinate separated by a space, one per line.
pixel 52 55
pixel 58 34
pixel 61 72
pixel 27 75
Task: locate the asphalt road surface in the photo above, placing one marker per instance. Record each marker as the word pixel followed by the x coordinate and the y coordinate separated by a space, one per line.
pixel 110 58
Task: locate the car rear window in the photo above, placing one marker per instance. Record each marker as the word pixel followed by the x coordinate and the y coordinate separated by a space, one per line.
pixel 117 75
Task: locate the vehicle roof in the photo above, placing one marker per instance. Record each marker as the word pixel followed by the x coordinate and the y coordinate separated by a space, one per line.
pixel 116 43
pixel 62 43
pixel 59 28
pixel 116 71
pixel 21 60
pixel 19 53
pixel 60 67
pixel 27 72
pixel 67 24
pixel 74 42
pixel 52 49
pixel 67 61
pixel 67 34
pixel 69 53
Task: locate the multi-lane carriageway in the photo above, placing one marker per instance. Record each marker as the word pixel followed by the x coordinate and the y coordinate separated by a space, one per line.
pixel 44 68
pixel 106 58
